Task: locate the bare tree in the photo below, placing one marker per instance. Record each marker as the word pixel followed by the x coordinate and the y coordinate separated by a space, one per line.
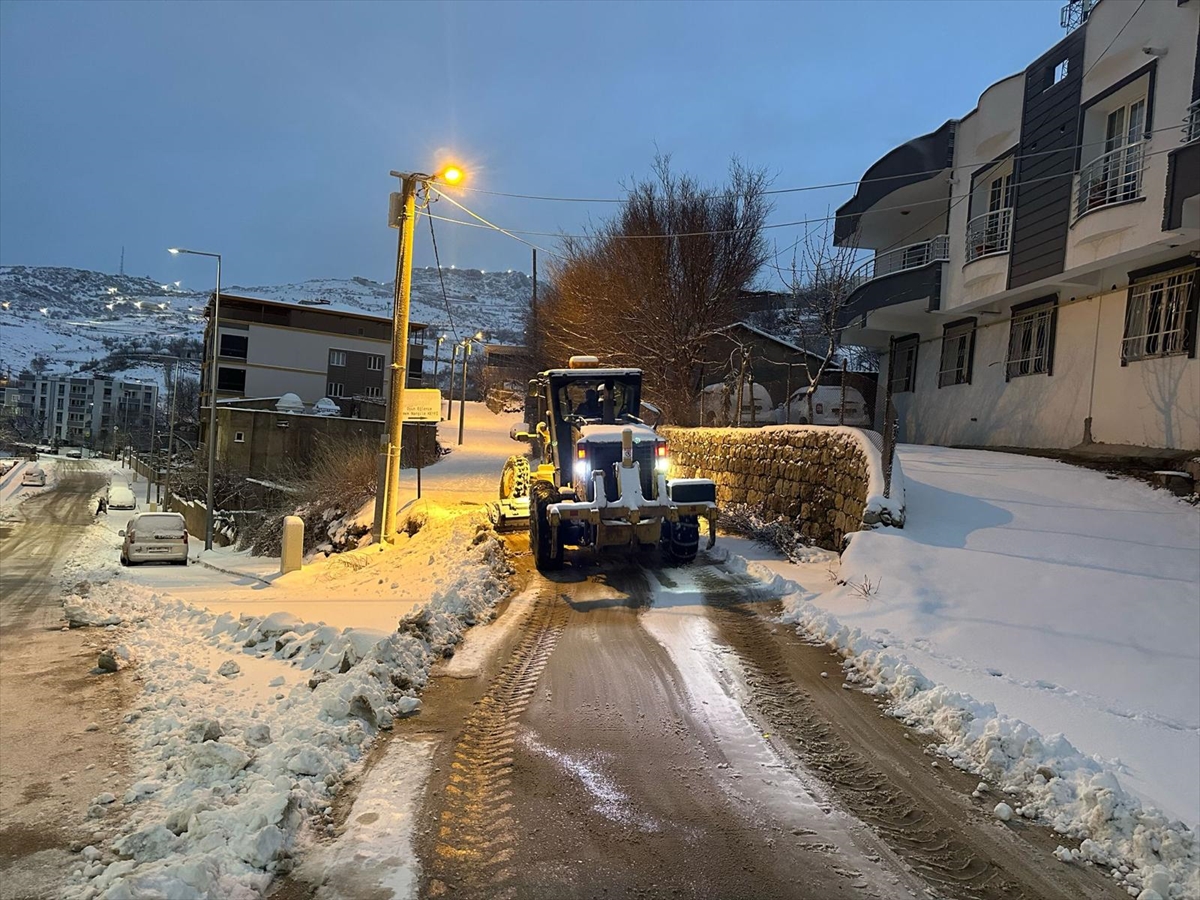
pixel 650 287
pixel 821 279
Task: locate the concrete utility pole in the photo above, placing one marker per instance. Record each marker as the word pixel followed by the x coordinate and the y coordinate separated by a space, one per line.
pixel 171 436
pixel 462 403
pixel 402 214
pixel 450 391
pixel 402 298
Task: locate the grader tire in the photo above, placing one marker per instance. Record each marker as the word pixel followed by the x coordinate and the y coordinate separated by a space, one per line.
pixel 514 480
pixel 547 555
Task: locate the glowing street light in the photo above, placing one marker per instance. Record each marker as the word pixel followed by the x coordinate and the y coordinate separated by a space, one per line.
pixel 451 174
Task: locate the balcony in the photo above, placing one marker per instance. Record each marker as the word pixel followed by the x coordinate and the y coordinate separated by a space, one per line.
pixel 1191 123
pixel 902 259
pixel 1115 177
pixel 989 234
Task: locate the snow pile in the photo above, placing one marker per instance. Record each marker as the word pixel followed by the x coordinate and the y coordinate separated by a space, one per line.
pixel 1047 778
pixel 247 724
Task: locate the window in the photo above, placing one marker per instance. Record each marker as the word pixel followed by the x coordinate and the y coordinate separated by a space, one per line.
pixel 1031 340
pixel 337 358
pixel 958 348
pixel 335 389
pixel 374 391
pixel 375 363
pixel 230 379
pixel 903 373
pixel 1060 71
pixel 239 437
pixel 235 345
pixel 1157 314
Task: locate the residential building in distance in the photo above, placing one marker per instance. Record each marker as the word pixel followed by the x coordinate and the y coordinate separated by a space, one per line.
pixel 1034 277
pixel 97 411
pixel 268 348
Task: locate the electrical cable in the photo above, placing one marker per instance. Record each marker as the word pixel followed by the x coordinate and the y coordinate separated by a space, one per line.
pixel 514 232
pixel 829 185
pixel 438 261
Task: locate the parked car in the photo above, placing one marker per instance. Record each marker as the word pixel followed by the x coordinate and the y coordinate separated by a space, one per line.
pixel 120 496
pixel 35 476
pixel 155 536
pixel 826 408
pixel 75 454
pixel 717 405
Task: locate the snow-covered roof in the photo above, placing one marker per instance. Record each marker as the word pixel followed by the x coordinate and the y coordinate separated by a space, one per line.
pixel 332 308
pixel 770 337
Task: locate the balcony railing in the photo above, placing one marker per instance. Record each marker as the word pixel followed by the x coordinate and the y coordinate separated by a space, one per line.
pixel 989 233
pixel 1191 123
pixel 1112 178
pixel 914 256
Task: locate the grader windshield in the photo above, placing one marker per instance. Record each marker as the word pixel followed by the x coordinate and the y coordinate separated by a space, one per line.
pixel 596 397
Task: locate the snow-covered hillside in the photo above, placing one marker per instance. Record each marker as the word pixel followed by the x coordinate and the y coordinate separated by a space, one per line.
pixel 75 318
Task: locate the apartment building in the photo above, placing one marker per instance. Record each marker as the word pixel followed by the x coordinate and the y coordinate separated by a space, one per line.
pixel 88 410
pixel 268 348
pixel 1034 277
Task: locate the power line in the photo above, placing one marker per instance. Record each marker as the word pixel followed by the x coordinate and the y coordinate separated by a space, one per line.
pixel 441 280
pixel 1114 40
pixel 832 184
pixel 514 232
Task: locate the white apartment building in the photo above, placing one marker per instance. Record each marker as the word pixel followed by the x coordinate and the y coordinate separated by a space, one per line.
pixel 88 410
pixel 268 348
pixel 1034 281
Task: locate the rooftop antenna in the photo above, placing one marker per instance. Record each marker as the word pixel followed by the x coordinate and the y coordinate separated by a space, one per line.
pixel 122 259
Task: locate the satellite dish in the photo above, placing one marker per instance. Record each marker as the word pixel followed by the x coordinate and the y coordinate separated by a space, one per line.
pixel 289 403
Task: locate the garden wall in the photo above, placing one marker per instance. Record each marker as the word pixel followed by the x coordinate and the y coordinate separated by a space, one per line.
pixel 829 480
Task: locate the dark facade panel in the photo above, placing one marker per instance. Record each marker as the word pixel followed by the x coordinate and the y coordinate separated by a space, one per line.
pixel 917 160
pixel 265 312
pixel 902 287
pixel 1183 181
pixel 1049 133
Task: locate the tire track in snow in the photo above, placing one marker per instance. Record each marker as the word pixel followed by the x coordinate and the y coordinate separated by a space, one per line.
pixel 957 862
pixel 475 832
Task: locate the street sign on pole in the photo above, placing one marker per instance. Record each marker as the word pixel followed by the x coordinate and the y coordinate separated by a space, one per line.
pixel 422 405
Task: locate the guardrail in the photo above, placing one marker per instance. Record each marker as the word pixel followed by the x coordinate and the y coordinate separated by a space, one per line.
pixel 1113 177
pixel 989 233
pixel 1191 122
pixel 912 256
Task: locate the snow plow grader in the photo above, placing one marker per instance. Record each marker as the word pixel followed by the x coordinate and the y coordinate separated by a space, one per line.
pixel 596 473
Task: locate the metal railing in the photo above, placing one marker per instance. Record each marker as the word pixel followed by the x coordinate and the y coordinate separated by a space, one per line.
pixel 914 256
pixel 1075 13
pixel 1114 177
pixel 989 233
pixel 1191 122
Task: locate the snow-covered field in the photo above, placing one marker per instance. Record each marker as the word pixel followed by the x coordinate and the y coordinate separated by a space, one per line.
pixel 1044 621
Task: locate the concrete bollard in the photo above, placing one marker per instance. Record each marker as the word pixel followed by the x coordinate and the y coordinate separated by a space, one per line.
pixel 293 545
pixel 153 506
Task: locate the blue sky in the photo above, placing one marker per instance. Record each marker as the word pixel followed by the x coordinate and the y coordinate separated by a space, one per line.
pixel 266 131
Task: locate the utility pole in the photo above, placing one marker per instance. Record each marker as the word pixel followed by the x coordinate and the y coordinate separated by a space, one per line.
pixel 437 362
pixel 171 435
pixel 152 468
pixel 462 403
pixel 402 214
pixel 405 216
pixel 450 392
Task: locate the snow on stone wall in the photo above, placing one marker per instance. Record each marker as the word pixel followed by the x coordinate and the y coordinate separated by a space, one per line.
pixel 830 478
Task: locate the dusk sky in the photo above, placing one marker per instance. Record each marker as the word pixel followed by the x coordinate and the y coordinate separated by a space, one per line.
pixel 266 131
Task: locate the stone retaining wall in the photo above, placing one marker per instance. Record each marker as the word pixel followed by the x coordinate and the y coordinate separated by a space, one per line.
pixel 829 479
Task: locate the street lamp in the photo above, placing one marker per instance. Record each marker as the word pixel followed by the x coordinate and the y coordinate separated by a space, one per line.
pixel 402 214
pixel 212 391
pixel 462 403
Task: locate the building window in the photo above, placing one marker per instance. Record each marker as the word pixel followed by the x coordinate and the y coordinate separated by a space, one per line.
pixel 373 391
pixel 1031 340
pixel 903 374
pixel 229 379
pixel 375 363
pixel 958 349
pixel 337 358
pixel 335 389
pixel 239 437
pixel 235 345
pixel 1157 314
pixel 1060 71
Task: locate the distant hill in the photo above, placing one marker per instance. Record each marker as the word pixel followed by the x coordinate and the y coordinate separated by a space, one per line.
pixel 75 318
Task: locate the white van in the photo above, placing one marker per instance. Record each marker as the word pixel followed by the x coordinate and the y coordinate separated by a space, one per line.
pixel 718 405
pixel 35 476
pixel 121 497
pixel 826 408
